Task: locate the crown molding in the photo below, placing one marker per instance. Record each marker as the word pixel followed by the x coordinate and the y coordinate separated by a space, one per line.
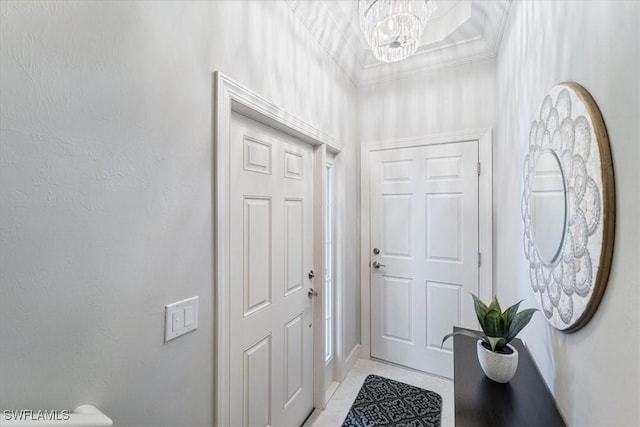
pixel 478 38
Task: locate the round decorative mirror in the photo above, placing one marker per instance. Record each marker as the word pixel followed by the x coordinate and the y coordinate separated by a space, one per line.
pixel 568 206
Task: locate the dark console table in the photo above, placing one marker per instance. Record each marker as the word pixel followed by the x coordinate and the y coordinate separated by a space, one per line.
pixel 524 401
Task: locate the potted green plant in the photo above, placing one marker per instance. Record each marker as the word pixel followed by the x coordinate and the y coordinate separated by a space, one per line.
pixel 497 357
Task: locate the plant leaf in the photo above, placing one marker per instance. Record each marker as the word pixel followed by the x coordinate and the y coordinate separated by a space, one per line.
pixel 520 321
pixel 495 305
pixel 497 343
pixel 481 310
pixel 463 332
pixel 494 324
pixel 510 313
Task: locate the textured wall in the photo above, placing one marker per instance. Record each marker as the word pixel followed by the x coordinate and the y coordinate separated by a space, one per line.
pixel 443 100
pixel 594 373
pixel 105 172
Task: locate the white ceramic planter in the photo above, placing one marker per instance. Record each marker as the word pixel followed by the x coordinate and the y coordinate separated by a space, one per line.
pixel 498 367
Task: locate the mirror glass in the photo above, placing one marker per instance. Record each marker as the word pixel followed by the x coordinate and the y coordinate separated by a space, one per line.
pixel 548 206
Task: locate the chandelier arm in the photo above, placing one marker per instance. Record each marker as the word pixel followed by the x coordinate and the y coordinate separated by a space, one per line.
pixel 369 7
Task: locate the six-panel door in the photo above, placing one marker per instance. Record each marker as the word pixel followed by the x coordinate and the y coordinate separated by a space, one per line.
pixel 424 221
pixel 271 250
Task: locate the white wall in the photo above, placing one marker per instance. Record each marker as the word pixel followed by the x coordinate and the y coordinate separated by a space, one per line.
pixel 105 186
pixel 443 100
pixel 105 170
pixel 429 103
pixel 594 373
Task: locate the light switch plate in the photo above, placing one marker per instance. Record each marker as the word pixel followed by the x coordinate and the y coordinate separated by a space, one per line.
pixel 180 317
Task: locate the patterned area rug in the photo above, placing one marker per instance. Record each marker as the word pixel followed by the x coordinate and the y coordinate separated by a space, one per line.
pixel 385 402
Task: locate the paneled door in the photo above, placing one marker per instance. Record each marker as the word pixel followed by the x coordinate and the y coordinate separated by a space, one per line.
pixel 424 251
pixel 271 331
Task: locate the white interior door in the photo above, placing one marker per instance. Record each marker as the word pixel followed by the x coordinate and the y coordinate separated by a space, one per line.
pixel 271 333
pixel 424 223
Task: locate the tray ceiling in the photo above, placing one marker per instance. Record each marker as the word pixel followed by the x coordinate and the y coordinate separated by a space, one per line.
pixel 460 31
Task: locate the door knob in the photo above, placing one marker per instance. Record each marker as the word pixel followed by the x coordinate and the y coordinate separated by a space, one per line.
pixel 312 293
pixel 377 265
pixel 311 274
pixel 376 251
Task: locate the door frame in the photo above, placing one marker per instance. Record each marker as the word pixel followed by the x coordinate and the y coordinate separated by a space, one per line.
pixel 484 139
pixel 228 97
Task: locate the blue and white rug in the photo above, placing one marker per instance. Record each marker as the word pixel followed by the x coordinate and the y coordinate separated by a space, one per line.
pixel 385 402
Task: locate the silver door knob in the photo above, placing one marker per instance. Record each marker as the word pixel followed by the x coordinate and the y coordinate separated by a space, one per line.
pixel 311 274
pixel 377 265
pixel 376 251
pixel 312 293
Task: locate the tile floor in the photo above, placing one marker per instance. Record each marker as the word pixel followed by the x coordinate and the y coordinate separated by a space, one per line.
pixel 339 405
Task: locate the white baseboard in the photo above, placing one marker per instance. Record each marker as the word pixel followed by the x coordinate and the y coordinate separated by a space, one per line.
pixel 351 360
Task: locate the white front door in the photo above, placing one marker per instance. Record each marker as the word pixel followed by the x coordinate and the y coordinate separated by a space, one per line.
pixel 271 333
pixel 424 226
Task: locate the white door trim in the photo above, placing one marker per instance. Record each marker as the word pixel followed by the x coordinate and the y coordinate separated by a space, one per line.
pixel 230 96
pixel 485 213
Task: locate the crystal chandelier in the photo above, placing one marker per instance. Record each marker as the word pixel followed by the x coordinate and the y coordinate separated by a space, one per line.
pixel 393 28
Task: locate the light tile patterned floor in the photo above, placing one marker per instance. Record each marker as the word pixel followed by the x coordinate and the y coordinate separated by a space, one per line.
pixel 339 405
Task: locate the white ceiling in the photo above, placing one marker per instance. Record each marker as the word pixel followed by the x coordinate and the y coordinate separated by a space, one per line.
pixel 459 32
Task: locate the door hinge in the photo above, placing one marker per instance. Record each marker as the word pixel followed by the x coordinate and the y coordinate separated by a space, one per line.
pixel 479 259
pixel 479 168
